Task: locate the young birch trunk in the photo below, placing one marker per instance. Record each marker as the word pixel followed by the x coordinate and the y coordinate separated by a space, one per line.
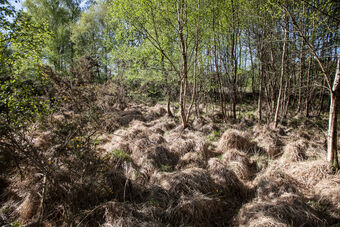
pixel 194 90
pixel 332 155
pixel 282 74
pixel 184 78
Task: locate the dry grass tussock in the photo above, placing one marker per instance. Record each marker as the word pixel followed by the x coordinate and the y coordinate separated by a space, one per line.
pixel 164 123
pixel 328 193
pixel 154 157
pixel 109 122
pixel 186 182
pixel 295 151
pixel 155 112
pixel 269 140
pixel 198 123
pixel 20 199
pixel 235 139
pixel 239 163
pixel 198 210
pixel 286 210
pixel 190 160
pixel 308 173
pixel 208 128
pixel 28 207
pixel 159 174
pixel 128 214
pixel 42 139
pixel 260 221
pixel 187 142
pixel 224 177
pixel 272 185
pixel 109 143
pixel 283 196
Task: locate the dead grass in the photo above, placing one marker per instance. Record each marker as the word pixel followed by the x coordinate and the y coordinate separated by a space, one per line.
pixel 208 128
pixel 269 140
pixel 152 157
pixel 165 123
pixel 111 142
pixel 238 162
pixel 19 199
pixel 308 173
pixel 190 160
pixel 260 221
pixel 286 210
pixel 160 109
pixel 156 139
pixel 109 122
pixel 196 210
pixel 170 179
pixel 233 139
pixel 189 142
pixel 42 140
pixel 328 193
pixel 127 116
pixel 272 185
pixel 224 177
pixel 127 214
pixel 295 151
pixel 198 123
pixel 28 208
pixel 186 182
pixel 259 162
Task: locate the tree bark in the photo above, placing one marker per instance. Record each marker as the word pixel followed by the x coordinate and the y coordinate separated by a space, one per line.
pixel 282 73
pixel 165 75
pixel 194 90
pixel 220 85
pixel 234 57
pixel 184 78
pixel 332 155
pixel 259 104
pixel 302 59
pixel 307 93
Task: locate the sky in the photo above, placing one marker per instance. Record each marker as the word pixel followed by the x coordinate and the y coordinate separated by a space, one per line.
pixel 16 3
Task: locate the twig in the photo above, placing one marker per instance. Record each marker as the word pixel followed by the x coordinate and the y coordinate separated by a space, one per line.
pixel 42 201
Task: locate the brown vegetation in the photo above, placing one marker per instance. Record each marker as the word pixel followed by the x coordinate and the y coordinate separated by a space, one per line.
pixel 141 168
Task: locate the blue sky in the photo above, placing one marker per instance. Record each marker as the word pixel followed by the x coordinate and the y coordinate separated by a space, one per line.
pixel 16 3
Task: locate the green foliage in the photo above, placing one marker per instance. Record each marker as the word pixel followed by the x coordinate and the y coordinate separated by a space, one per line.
pixel 22 83
pixel 93 35
pixel 214 135
pixel 59 15
pixel 15 224
pixel 20 105
pixel 120 155
pixel 165 168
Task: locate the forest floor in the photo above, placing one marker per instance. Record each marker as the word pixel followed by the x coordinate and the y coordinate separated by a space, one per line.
pixel 239 173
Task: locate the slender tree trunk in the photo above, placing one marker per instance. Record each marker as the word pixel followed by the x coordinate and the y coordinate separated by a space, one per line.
pixel 184 78
pixel 282 74
pixel 220 84
pixel 332 154
pixel 194 90
pixel 322 98
pixel 307 90
pixel 234 57
pixel 252 66
pixel 302 58
pixel 165 76
pixel 259 104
